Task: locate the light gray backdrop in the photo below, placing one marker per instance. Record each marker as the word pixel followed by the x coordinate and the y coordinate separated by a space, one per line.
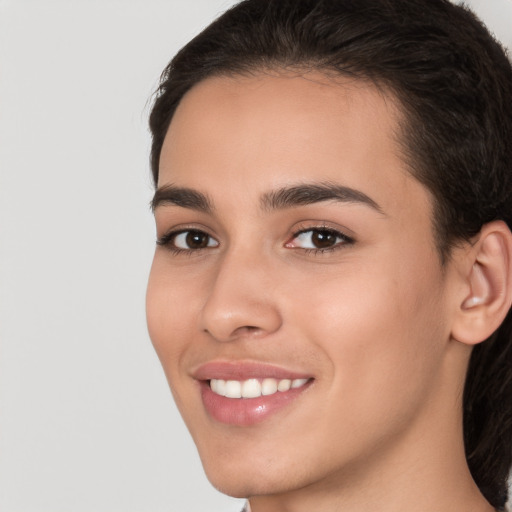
pixel 86 419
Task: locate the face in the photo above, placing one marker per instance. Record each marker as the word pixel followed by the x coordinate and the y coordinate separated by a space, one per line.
pixel 296 299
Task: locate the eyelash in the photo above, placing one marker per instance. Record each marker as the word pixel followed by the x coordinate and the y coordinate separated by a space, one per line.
pixel 167 240
pixel 345 239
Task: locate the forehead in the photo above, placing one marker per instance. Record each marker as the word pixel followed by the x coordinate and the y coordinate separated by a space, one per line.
pixel 281 111
pixel 255 133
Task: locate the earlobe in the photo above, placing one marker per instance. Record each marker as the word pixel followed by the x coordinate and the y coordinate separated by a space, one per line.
pixel 489 281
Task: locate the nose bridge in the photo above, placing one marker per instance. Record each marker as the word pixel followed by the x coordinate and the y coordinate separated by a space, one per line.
pixel 241 299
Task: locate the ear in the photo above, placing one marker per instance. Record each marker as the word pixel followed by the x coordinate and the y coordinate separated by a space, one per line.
pixel 487 291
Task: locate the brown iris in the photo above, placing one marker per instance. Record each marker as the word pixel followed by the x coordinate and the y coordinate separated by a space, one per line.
pixel 323 239
pixel 197 240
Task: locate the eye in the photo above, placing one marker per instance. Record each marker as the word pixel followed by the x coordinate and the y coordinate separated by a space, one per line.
pixel 318 239
pixel 188 240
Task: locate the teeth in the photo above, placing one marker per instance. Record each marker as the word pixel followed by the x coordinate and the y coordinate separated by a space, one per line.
pixel 253 388
pixel 221 387
pixel 269 386
pixel 284 385
pixel 297 383
pixel 233 389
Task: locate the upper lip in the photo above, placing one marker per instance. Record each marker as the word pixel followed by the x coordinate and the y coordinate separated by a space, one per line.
pixel 243 370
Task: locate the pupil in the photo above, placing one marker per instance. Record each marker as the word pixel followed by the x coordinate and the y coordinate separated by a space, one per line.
pixel 323 239
pixel 197 240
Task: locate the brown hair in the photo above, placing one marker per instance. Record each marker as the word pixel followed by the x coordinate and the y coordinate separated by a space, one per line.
pixel 454 82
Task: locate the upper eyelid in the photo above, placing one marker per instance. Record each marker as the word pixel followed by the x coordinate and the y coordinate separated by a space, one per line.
pixel 305 226
pixel 185 226
pixel 319 228
pixel 172 233
pixel 338 232
pixel 345 239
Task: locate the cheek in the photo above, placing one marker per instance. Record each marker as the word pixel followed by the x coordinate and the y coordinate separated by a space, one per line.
pixel 168 311
pixel 380 326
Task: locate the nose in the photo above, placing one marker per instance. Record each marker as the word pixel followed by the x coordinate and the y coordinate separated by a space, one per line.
pixel 241 302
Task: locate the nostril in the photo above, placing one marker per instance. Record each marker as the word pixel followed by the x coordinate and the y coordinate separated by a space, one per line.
pixel 247 329
pixel 239 332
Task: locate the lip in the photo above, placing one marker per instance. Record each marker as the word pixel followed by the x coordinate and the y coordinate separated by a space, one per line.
pixel 244 412
pixel 242 370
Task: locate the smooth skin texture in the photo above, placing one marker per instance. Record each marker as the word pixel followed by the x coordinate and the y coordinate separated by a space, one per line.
pixel 370 319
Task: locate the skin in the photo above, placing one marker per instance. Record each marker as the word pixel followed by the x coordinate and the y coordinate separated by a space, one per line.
pixel 370 320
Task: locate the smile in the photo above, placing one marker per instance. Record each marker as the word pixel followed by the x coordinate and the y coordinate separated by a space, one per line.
pixel 246 393
pixel 254 388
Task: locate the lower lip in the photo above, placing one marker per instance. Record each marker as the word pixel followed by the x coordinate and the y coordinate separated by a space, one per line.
pixel 243 412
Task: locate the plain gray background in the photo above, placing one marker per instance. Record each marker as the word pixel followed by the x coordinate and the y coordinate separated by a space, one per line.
pixel 86 420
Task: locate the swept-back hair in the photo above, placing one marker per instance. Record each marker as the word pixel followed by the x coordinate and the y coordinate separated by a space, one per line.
pixel 453 82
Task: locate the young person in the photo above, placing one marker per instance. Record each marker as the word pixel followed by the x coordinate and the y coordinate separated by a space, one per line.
pixel 331 289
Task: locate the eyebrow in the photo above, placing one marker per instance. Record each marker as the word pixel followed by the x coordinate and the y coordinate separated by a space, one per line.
pixel 304 194
pixel 286 197
pixel 183 197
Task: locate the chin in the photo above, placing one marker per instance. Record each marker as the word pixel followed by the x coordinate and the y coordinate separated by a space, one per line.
pixel 246 485
pixel 249 475
pixel 238 477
